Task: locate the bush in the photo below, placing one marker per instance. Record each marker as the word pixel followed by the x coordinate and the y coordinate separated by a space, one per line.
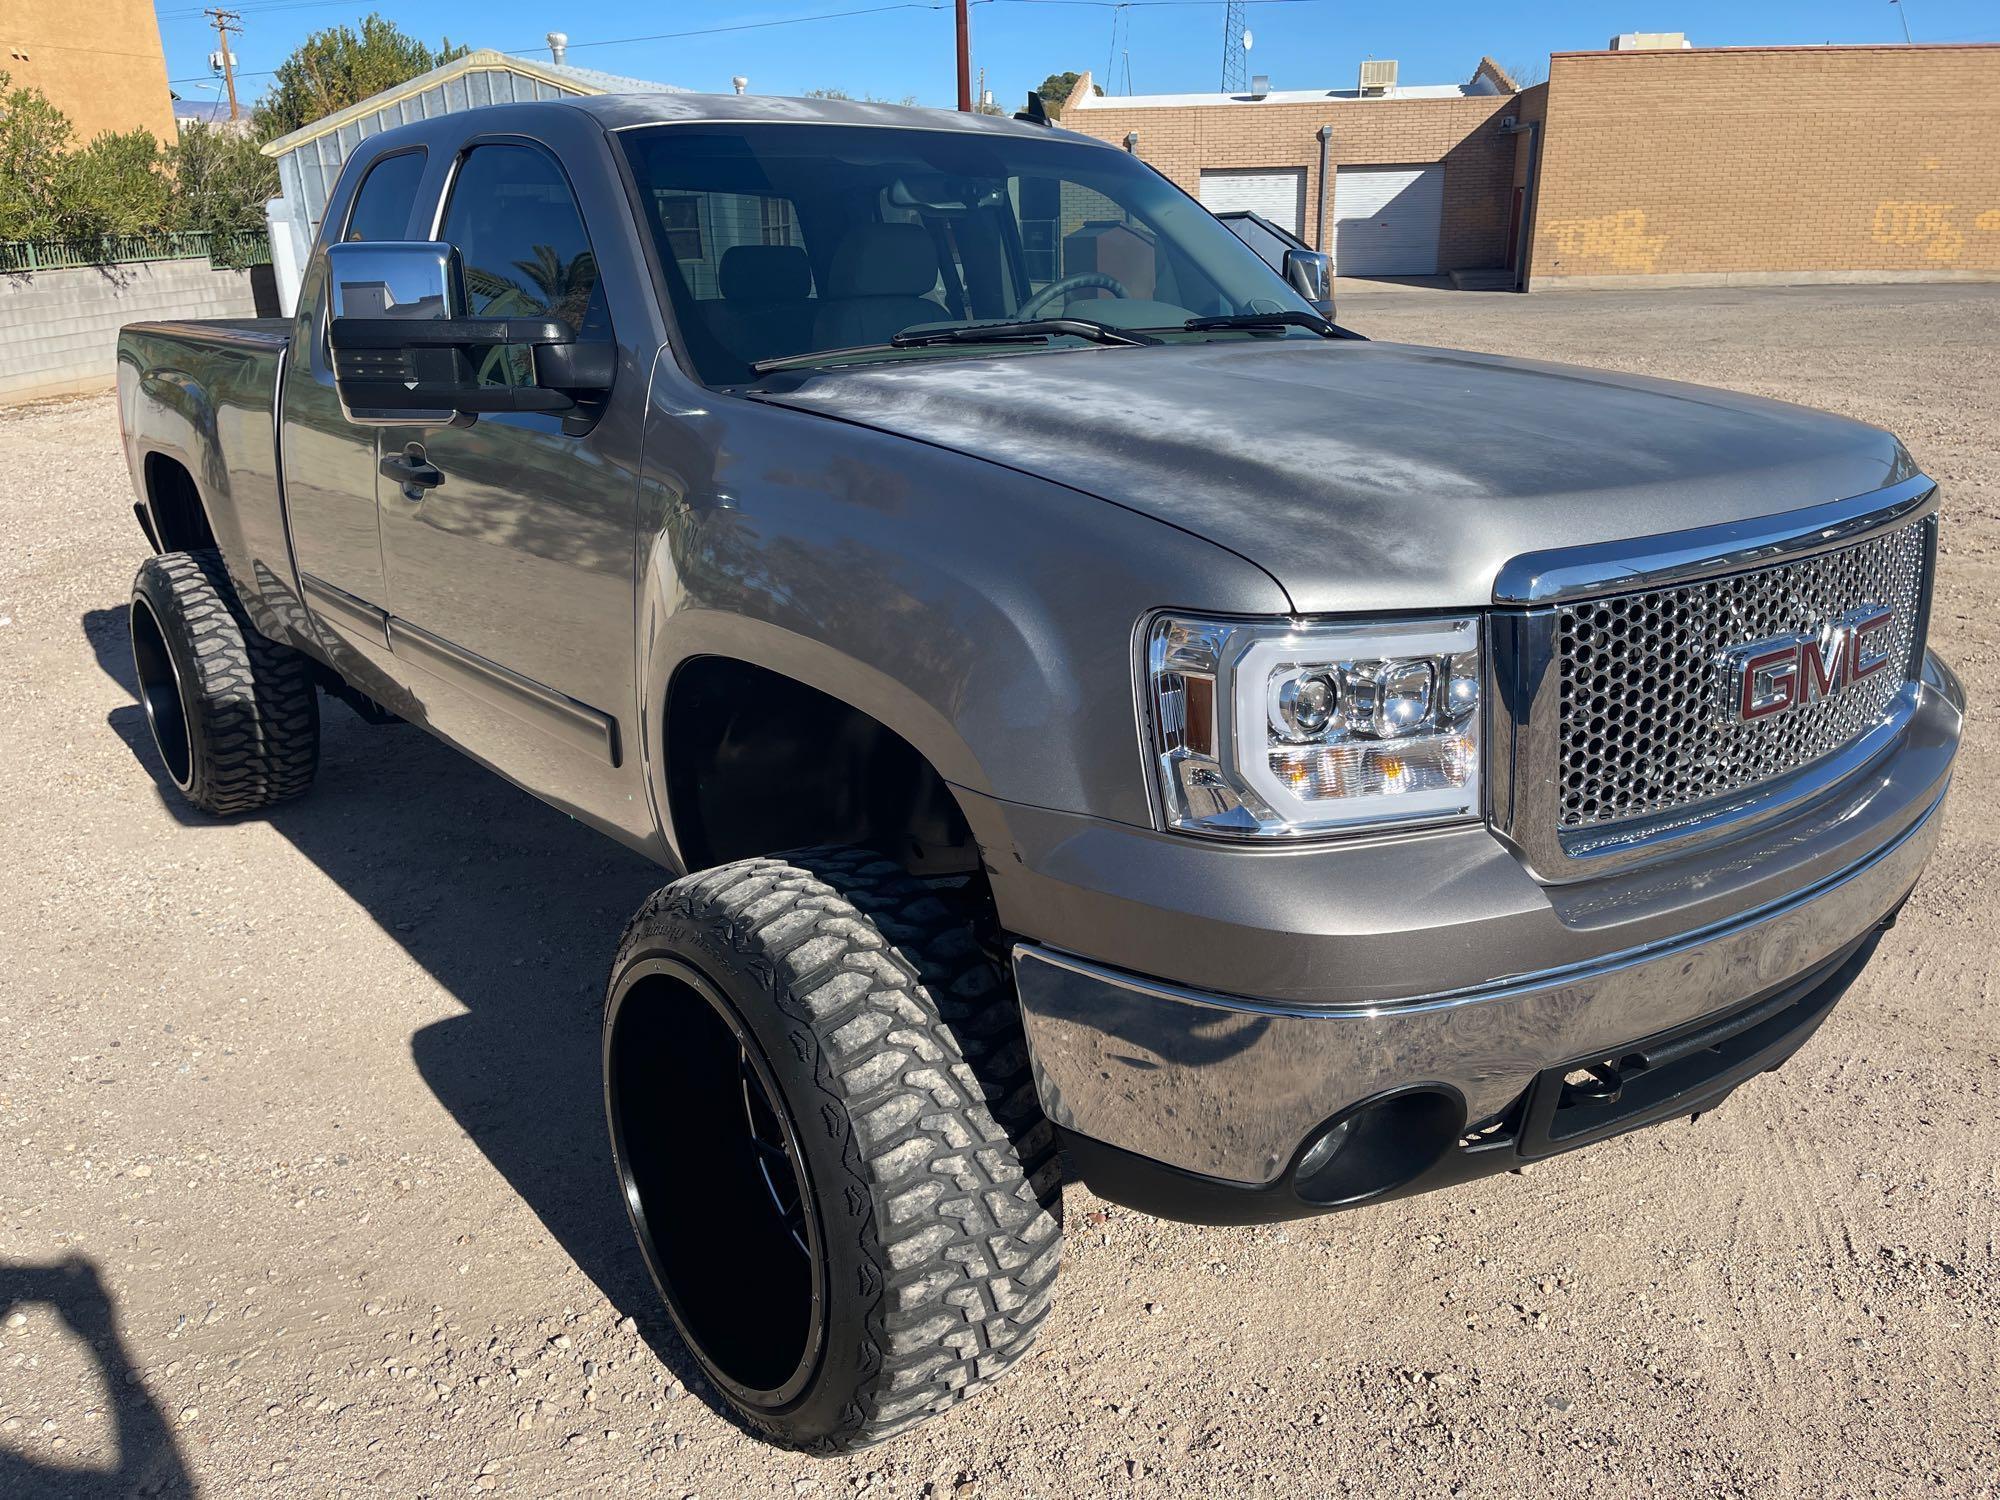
pixel 221 182
pixel 211 180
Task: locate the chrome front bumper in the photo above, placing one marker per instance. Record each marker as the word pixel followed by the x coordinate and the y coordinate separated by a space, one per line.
pixel 1231 1088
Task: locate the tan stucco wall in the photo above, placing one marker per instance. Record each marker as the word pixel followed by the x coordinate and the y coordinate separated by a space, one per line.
pixel 1754 163
pixel 100 62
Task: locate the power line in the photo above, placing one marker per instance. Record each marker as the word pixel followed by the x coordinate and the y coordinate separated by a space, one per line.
pixel 668 36
pixel 831 15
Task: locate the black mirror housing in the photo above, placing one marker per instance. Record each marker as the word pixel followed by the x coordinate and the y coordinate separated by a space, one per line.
pixel 404 352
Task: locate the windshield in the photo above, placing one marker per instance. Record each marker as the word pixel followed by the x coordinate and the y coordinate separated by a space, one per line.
pixel 787 240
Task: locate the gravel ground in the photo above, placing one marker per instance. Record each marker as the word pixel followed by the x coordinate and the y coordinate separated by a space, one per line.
pixel 303 1186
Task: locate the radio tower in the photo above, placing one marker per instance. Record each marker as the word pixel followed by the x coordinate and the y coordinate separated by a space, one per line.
pixel 1234 63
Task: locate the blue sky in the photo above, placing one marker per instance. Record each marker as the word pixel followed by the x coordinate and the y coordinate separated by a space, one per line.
pixel 1173 45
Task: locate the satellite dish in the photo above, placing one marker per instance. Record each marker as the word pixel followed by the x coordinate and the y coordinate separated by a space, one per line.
pixel 1246 41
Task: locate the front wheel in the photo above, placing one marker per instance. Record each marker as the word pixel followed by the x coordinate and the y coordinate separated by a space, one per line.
pixel 826 1134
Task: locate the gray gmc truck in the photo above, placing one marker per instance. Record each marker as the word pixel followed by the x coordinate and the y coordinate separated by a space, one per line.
pixel 1091 709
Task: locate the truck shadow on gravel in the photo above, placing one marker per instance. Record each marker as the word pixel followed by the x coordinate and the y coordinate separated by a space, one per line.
pixel 513 908
pixel 149 1461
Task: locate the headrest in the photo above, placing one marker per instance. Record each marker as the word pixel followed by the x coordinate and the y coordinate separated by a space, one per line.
pixel 884 260
pixel 765 273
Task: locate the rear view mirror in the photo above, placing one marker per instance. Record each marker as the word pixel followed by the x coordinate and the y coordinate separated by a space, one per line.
pixel 403 351
pixel 1311 274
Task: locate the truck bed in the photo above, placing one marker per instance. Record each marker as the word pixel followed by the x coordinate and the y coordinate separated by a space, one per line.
pixel 223 331
pixel 196 399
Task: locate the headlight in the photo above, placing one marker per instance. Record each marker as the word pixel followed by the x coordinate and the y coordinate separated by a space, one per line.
pixel 1277 729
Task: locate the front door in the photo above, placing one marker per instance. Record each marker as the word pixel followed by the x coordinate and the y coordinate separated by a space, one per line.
pixel 511 578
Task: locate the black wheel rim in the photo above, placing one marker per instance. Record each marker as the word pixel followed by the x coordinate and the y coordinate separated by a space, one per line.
pixel 160 693
pixel 777 1161
pixel 714 1181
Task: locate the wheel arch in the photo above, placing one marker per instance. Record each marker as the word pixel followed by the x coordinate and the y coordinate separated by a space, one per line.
pixel 174 513
pixel 753 760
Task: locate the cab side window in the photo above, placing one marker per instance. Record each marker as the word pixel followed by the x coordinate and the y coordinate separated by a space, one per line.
pixel 382 205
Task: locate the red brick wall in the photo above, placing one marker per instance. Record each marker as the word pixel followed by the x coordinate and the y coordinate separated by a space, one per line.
pixel 1463 133
pixel 1721 161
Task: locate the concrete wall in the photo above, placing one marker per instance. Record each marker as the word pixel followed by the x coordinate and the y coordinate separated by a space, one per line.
pixel 101 64
pixel 59 329
pixel 1462 133
pixel 1747 164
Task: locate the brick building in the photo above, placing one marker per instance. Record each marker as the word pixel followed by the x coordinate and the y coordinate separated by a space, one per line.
pixel 101 64
pixel 1650 163
pixel 1418 179
pixel 1747 164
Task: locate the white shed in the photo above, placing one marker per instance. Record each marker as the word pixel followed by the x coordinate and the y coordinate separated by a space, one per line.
pixel 309 158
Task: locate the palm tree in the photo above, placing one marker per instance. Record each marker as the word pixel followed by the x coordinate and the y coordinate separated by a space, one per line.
pixel 565 285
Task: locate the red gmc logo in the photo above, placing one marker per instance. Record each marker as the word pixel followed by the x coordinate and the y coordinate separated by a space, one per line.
pixel 1767 678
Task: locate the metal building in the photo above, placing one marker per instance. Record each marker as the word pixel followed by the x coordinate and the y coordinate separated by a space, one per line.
pixel 309 158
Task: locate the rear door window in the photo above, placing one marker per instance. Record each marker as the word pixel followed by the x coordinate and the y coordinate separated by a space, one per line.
pixel 382 204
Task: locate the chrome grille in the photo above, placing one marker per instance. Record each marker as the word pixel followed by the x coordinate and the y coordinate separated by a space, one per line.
pixel 1643 727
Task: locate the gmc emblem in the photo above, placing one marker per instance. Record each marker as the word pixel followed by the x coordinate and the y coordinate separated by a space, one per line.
pixel 1767 678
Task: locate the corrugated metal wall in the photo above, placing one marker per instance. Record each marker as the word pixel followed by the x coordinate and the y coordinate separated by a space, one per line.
pixel 308 172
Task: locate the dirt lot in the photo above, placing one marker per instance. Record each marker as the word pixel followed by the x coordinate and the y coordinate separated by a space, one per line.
pixel 303 1185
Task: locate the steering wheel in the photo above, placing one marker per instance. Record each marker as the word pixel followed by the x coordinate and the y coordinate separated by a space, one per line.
pixel 1056 291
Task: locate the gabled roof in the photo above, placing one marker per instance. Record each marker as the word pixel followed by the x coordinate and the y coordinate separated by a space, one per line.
pixel 558 76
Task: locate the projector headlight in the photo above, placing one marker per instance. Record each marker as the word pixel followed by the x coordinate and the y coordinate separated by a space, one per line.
pixel 1284 729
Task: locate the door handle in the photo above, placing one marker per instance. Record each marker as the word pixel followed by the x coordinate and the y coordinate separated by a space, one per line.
pixel 412 471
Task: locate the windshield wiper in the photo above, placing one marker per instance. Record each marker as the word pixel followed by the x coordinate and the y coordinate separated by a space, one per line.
pixel 1254 320
pixel 1024 331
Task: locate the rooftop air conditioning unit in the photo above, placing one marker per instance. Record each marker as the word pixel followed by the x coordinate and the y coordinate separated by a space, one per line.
pixel 1378 77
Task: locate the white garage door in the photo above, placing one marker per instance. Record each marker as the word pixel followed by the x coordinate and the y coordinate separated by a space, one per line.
pixel 1279 196
pixel 1385 220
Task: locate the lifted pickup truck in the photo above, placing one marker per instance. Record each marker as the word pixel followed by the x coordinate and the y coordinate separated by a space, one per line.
pixel 1084 700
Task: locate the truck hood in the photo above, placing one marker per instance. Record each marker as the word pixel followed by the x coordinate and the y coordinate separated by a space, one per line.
pixel 1370 476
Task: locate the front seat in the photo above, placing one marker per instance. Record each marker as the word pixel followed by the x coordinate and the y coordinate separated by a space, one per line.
pixel 766 309
pixel 877 286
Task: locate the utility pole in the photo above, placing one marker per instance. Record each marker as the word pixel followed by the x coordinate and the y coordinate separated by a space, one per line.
pixel 227 22
pixel 964 61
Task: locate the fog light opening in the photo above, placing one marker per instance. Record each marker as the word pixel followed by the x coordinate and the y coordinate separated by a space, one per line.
pixel 1379 1145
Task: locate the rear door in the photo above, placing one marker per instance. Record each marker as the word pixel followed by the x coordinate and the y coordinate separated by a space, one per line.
pixel 511 581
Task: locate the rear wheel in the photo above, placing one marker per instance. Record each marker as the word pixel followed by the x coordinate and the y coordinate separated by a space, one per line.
pixel 234 714
pixel 827 1138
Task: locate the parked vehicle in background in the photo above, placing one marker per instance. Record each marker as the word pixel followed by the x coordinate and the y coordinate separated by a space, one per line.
pixel 1082 698
pixel 1310 272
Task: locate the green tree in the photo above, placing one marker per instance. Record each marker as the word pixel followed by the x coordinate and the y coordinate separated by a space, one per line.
pixel 115 185
pixel 34 141
pixel 860 98
pixel 337 67
pixel 220 184
pixel 1055 88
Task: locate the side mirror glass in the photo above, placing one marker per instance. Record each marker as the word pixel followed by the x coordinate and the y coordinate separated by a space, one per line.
pixel 406 282
pixel 403 350
pixel 1311 274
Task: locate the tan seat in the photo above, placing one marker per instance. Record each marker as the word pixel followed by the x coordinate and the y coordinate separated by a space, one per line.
pixel 878 285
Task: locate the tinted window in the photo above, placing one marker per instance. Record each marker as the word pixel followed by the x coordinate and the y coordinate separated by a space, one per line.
pixel 521 238
pixel 382 206
pixel 699 229
pixel 778 242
